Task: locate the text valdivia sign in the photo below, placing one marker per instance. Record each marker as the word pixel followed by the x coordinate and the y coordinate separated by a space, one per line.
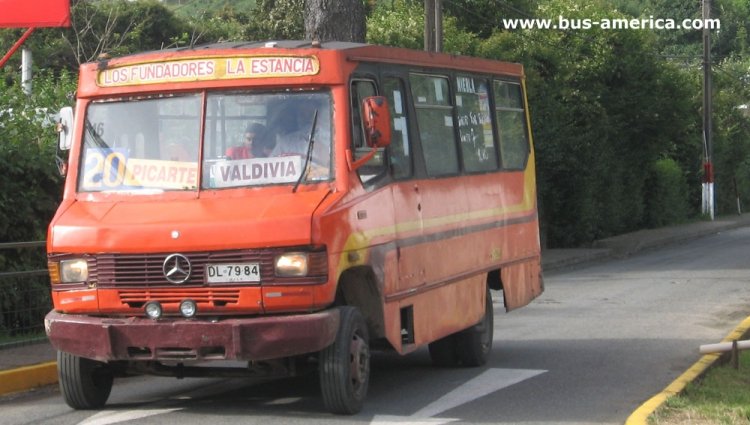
pixel 206 69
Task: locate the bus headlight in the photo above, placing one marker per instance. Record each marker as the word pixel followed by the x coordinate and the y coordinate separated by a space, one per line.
pixel 74 271
pixel 291 264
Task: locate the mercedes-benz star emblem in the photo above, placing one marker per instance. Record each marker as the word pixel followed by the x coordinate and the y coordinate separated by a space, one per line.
pixel 177 268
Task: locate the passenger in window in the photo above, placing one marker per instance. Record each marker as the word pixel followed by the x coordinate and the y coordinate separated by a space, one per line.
pixel 293 129
pixel 254 144
pixel 293 135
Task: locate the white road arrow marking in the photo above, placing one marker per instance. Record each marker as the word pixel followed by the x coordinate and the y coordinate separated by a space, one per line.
pixel 487 382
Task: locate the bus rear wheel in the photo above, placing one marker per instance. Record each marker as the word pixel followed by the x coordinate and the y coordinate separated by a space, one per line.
pixel 470 347
pixel 344 366
pixel 443 352
pixel 473 345
pixel 84 383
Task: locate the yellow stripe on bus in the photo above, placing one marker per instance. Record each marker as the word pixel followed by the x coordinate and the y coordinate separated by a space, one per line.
pixel 361 241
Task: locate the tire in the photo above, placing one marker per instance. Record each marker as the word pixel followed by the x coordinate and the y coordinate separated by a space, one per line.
pixel 84 383
pixel 443 352
pixel 344 366
pixel 470 347
pixel 473 345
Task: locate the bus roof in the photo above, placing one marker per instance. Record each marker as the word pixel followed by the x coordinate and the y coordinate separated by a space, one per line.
pixel 347 55
pixel 358 52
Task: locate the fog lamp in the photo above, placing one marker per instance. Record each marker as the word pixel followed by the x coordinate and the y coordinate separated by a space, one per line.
pixel 188 308
pixel 153 310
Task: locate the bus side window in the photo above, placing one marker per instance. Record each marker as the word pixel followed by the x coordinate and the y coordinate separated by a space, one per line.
pixel 514 145
pixel 435 120
pixel 400 154
pixel 475 124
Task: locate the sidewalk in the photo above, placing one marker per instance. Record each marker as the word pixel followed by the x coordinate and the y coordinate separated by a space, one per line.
pixel 630 243
pixel 25 367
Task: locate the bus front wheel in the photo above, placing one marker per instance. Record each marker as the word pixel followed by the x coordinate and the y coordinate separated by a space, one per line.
pixel 84 383
pixel 344 366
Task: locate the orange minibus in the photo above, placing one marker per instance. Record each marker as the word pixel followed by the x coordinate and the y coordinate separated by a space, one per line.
pixel 288 206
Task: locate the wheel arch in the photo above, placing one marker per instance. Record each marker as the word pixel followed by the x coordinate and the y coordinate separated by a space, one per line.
pixel 358 287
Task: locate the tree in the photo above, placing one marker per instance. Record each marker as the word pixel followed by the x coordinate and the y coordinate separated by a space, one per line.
pixel 484 16
pixel 400 23
pixel 115 27
pixel 731 139
pixel 340 20
pixel 276 19
pixel 32 189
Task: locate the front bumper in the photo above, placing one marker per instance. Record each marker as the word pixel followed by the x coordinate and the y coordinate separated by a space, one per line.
pixel 138 339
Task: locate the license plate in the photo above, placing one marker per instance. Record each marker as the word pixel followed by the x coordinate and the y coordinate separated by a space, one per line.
pixel 229 273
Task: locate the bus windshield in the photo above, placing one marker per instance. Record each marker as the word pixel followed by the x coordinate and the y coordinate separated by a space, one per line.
pixel 263 138
pixel 249 139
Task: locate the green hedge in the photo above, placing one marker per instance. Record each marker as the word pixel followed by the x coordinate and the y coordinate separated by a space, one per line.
pixel 31 190
pixel 666 194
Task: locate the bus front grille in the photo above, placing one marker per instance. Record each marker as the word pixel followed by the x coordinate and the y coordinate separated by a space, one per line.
pixel 147 270
pixel 136 298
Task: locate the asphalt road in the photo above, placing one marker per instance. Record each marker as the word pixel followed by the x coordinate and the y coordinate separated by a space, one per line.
pixel 600 341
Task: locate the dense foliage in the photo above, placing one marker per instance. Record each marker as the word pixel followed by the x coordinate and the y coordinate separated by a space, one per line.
pixel 605 108
pixel 31 189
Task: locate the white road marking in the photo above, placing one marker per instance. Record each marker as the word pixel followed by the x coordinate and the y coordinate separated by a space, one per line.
pixel 108 417
pixel 487 382
pixel 394 420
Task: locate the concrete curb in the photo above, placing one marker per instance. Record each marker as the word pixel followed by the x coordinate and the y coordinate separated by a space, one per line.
pixel 562 259
pixel 631 243
pixel 27 377
pixel 641 414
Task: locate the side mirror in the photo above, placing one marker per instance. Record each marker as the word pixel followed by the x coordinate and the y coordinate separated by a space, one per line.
pixel 377 121
pixel 65 139
pixel 65 128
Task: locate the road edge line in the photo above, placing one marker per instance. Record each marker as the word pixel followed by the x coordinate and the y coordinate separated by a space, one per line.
pixel 27 377
pixel 641 414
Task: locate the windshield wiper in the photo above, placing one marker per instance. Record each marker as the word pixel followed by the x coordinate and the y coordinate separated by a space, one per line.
pixel 308 156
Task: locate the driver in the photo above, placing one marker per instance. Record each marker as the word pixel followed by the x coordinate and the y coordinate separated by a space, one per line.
pixel 293 137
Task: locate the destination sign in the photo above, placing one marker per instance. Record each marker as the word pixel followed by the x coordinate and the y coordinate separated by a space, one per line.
pixel 112 169
pixel 208 69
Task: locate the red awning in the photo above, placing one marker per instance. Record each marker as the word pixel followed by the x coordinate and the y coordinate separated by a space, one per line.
pixel 34 13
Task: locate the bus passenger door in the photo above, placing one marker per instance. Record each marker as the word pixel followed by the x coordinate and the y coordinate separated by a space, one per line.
pixel 407 199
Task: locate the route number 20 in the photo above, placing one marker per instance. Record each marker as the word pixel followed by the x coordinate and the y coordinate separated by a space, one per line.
pixel 103 169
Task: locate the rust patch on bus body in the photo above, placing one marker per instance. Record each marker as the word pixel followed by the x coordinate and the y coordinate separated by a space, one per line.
pixel 521 283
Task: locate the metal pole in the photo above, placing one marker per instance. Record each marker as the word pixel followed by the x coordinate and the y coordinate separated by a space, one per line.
pixel 16 46
pixel 429 25
pixel 723 347
pixel 438 25
pixel 708 168
pixel 737 195
pixel 26 62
